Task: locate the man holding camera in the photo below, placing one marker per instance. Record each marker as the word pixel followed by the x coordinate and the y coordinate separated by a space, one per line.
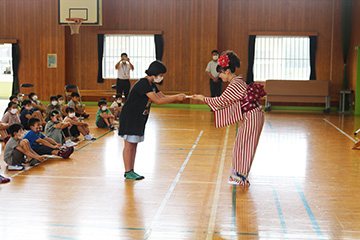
pixel 123 81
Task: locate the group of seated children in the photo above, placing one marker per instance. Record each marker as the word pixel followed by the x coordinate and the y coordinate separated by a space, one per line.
pixel 32 146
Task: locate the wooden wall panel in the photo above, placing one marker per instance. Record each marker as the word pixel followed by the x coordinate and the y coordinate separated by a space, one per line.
pixel 238 17
pixel 191 29
pixel 34 24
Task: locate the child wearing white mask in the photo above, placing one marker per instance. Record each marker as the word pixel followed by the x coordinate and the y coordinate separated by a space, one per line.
pixel 104 118
pixel 27 112
pixel 36 102
pixel 76 127
pixel 115 107
pixel 58 130
pixel 11 115
pixel 16 149
pixel 54 105
pixel 135 112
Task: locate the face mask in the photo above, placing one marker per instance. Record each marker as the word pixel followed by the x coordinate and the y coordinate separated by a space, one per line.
pixel 71 115
pixel 35 97
pixel 13 111
pixel 158 80
pixel 54 103
pixel 118 101
pixel 20 98
pixel 104 108
pixel 215 57
pixel 28 108
pixel 61 101
pixel 38 129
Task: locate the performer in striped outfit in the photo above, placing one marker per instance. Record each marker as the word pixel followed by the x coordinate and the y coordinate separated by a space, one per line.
pixel 239 102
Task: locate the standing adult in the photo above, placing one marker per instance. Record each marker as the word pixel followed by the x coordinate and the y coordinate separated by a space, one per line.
pixel 215 80
pixel 123 81
pixel 239 102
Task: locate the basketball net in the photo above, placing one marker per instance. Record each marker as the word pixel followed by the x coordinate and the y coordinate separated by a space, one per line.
pixel 74 24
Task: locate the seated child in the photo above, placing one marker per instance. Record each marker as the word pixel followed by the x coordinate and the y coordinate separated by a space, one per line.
pixel 36 103
pixel 54 105
pixel 104 118
pixel 28 112
pixel 11 115
pixel 75 104
pixel 20 97
pixel 58 130
pixel 16 149
pixel 115 107
pixel 76 127
pixel 62 104
pixel 43 145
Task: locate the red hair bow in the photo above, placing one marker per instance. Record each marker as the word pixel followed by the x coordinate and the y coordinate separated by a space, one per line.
pixel 224 61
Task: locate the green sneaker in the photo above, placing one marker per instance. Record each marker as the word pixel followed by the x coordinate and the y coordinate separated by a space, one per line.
pixel 133 176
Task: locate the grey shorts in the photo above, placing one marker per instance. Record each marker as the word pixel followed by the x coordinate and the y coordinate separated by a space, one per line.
pixel 133 138
pixel 17 157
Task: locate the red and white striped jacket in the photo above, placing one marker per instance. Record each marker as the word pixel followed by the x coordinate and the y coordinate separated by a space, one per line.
pixel 227 107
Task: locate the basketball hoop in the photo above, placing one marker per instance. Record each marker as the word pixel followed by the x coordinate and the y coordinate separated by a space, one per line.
pixel 74 24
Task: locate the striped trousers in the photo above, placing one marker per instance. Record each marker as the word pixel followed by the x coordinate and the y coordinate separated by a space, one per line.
pixel 247 140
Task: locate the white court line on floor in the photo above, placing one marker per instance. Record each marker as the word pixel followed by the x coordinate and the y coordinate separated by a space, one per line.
pixel 211 226
pixel 339 130
pixel 171 189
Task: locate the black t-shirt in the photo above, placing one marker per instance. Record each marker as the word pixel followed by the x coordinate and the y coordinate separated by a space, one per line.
pixel 135 112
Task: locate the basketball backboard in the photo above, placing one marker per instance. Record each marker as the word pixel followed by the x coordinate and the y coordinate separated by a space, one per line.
pixel 89 10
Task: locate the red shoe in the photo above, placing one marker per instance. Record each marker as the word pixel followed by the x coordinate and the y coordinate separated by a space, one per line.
pixel 66 152
pixel 4 179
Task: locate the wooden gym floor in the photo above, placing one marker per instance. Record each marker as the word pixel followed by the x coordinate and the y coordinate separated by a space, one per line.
pixel 304 184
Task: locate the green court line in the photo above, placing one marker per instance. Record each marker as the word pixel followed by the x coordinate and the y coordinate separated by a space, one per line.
pixel 94 140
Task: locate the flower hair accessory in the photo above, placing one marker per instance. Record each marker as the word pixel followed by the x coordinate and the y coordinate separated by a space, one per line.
pixel 224 61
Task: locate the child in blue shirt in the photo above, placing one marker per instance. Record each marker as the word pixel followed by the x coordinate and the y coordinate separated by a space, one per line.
pixel 104 118
pixel 28 112
pixel 43 145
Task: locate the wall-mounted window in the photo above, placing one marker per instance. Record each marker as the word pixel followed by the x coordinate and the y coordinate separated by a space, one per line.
pixel 139 48
pixel 6 69
pixel 282 57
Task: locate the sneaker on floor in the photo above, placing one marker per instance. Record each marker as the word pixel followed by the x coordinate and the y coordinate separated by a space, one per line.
pixel 86 116
pixel 66 152
pixel 133 176
pixel 70 143
pixel 16 167
pixel 4 179
pixel 116 122
pixel 34 162
pixel 112 127
pixel 89 137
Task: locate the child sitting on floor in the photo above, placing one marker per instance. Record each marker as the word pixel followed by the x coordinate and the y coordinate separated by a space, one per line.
pixel 75 104
pixel 76 127
pixel 16 149
pixel 58 130
pixel 104 118
pixel 36 103
pixel 54 105
pixel 43 145
pixel 62 104
pixel 115 107
pixel 28 112
pixel 11 115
